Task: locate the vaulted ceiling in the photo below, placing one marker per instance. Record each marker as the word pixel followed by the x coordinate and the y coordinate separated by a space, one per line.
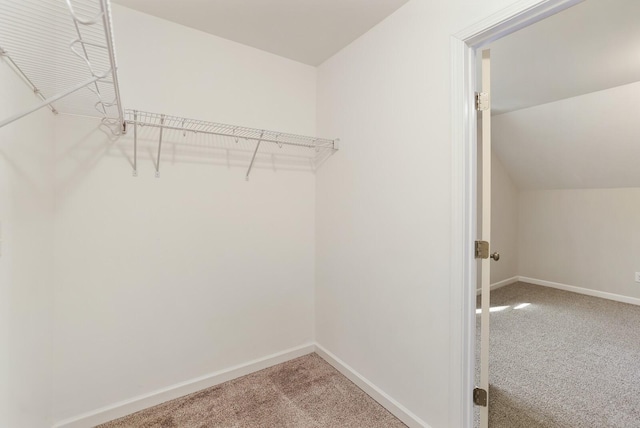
pixel 308 31
pixel 592 46
pixel 564 96
pixel 590 141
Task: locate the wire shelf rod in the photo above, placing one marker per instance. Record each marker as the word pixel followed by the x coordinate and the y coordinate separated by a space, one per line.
pixel 42 12
pixel 327 144
pixel 52 81
pixel 106 13
pixel 51 6
pixel 141 119
pixel 39 27
pixel 198 126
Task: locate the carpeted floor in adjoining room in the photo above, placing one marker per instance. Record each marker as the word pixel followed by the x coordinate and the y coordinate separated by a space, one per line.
pixel 302 393
pixel 561 359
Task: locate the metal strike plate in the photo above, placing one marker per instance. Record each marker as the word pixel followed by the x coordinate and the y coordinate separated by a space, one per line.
pixel 479 397
pixel 482 250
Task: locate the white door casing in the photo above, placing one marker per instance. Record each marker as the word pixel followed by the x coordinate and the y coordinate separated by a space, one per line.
pixel 464 185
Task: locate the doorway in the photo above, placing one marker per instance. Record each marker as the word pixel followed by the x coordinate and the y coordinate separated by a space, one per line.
pixel 467 231
pixel 464 196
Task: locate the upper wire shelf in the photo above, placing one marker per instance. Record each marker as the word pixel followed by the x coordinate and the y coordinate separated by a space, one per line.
pixel 64 51
pixel 135 119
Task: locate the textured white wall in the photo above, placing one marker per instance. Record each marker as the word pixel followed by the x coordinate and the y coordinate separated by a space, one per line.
pixel 587 238
pixel 384 204
pixel 504 222
pixel 26 212
pixel 159 281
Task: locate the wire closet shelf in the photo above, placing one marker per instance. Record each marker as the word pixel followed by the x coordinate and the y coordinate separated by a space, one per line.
pixel 137 118
pixel 64 51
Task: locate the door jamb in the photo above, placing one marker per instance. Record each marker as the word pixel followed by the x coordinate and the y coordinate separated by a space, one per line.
pixel 464 181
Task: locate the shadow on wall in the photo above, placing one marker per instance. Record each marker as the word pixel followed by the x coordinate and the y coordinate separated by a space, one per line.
pixel 82 153
pixel 36 189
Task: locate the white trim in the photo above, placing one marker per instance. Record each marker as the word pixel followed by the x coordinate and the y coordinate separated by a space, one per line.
pixel 511 19
pixel 395 408
pixel 463 230
pixel 580 290
pixel 501 284
pixel 463 190
pixel 141 402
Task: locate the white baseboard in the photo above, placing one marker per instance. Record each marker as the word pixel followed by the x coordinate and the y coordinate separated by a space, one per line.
pixel 502 283
pixel 141 402
pixel 395 408
pixel 580 290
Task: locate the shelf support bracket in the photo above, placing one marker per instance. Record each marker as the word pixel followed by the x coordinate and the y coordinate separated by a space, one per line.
pixel 255 152
pixel 135 143
pixel 48 101
pixel 19 72
pixel 159 146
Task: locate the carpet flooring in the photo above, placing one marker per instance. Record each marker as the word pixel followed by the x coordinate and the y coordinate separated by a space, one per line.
pixel 561 359
pixel 301 393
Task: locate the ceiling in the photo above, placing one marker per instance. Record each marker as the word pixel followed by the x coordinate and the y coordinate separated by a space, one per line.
pixel 565 98
pixel 592 46
pixel 307 31
pixel 586 142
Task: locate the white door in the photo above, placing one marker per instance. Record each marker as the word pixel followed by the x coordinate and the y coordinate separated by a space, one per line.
pixel 481 394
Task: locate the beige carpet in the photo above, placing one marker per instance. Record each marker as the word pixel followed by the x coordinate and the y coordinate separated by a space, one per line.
pixel 564 360
pixel 301 393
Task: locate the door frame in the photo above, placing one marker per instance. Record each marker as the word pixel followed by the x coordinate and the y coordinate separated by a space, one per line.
pixel 464 189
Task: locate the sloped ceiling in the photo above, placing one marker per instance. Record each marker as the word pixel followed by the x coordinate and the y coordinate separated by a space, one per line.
pixel 590 141
pixel 592 46
pixel 307 31
pixel 566 111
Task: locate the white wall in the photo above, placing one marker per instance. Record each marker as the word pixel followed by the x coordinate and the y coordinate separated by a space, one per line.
pixel 587 238
pixel 26 207
pixel 159 281
pixel 136 260
pixel 504 222
pixel 383 204
pixel 583 233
